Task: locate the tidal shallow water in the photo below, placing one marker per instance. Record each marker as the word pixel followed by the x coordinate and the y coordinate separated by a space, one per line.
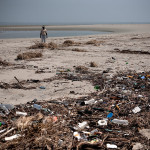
pixel 36 34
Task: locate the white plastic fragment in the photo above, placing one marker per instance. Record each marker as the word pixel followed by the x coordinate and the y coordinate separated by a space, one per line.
pixel 136 110
pixel 111 146
pixel 21 113
pixel 101 100
pixel 85 132
pixel 77 135
pixel 102 122
pixel 1 131
pixel 82 125
pixel 12 137
pixel 92 101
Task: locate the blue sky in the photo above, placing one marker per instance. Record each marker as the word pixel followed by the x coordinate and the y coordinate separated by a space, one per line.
pixel 74 11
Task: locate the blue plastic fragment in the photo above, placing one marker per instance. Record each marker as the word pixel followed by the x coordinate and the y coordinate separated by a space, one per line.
pixel 143 77
pixel 110 115
pixel 42 87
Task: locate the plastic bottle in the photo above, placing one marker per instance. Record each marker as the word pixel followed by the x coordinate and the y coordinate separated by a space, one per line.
pixel 9 106
pixel 4 108
pixel 38 107
pixel 123 122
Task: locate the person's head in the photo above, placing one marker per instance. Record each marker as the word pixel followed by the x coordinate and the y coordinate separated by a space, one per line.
pixel 43 27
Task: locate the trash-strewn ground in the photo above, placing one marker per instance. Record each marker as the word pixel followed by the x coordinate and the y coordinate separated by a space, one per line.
pixel 57 124
pixel 75 93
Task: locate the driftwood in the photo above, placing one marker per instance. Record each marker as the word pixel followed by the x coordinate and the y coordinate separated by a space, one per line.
pixel 19 82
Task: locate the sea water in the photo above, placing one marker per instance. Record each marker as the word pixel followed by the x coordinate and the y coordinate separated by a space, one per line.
pixel 51 33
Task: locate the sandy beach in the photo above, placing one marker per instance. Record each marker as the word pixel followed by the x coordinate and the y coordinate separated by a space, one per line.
pixel 106 53
pixel 81 92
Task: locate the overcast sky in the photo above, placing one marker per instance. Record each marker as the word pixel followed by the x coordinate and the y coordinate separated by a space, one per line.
pixel 74 11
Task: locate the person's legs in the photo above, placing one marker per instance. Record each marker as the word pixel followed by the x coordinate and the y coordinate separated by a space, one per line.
pixel 43 39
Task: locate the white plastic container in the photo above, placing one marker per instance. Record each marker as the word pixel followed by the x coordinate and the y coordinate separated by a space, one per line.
pixel 123 122
pixel 102 122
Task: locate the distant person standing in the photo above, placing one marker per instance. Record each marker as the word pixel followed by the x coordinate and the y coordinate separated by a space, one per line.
pixel 43 34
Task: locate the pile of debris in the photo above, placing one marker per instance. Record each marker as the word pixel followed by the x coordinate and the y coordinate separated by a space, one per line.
pixel 29 55
pixel 39 45
pixel 116 116
pixel 4 63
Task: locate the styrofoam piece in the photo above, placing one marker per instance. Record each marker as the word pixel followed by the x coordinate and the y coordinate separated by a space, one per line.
pixel 111 146
pixel 136 110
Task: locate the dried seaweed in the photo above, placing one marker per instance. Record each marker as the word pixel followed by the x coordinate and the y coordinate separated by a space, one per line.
pixel 29 55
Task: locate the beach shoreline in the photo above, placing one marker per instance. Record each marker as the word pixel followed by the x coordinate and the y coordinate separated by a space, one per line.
pixel 114 28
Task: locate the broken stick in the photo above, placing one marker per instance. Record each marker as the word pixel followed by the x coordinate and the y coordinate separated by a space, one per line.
pixel 19 82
